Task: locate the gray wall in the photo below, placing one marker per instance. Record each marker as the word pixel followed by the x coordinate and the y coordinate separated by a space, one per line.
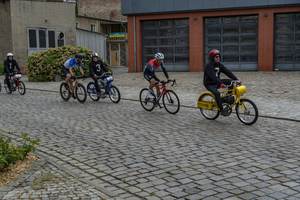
pixel 34 14
pixel 93 41
pixel 5 30
pixel 135 7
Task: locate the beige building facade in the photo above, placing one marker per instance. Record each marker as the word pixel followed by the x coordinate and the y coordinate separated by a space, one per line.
pixel 30 26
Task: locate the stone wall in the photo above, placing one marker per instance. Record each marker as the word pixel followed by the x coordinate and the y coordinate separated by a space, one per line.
pixel 103 9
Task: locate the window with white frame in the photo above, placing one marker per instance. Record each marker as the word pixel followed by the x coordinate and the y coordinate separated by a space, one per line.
pixel 93 27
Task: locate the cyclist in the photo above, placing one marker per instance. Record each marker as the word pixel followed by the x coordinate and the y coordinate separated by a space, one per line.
pixel 67 70
pixel 96 66
pixel 149 74
pixel 9 67
pixel 212 79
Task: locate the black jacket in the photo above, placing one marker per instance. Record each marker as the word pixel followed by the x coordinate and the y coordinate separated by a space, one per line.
pixel 97 67
pixel 212 73
pixel 9 66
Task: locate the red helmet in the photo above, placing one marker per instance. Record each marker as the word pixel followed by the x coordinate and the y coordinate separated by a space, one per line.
pixel 213 53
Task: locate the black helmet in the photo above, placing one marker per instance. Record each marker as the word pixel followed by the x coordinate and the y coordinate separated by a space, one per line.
pixel 78 55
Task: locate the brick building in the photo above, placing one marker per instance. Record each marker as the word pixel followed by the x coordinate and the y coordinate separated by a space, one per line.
pixel 253 35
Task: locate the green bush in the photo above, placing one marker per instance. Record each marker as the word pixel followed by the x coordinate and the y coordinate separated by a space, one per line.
pixel 10 154
pixel 45 65
pixel 1 69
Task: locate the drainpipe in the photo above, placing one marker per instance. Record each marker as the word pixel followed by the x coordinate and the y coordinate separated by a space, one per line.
pixel 134 43
pixel 105 57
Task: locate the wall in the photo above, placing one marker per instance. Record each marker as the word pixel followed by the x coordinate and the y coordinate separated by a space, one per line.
pixel 85 23
pixel 103 9
pixel 196 27
pixel 5 30
pixel 60 15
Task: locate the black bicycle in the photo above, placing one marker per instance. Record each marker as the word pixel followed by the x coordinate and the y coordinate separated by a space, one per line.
pixel 80 91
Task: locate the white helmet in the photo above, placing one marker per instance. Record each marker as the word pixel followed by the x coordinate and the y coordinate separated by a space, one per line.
pixel 159 56
pixel 10 54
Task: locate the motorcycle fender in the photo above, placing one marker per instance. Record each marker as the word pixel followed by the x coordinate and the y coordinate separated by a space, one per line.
pixel 204 104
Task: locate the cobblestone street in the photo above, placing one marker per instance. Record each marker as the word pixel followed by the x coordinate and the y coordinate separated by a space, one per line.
pixel 121 151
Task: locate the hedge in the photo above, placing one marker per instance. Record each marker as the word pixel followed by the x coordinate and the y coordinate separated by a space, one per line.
pixel 45 65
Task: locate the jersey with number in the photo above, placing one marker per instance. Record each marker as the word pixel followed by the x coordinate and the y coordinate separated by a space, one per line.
pixel 72 63
pixel 97 67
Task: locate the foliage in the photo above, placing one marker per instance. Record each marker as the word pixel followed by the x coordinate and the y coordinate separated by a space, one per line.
pixel 10 154
pixel 76 9
pixel 45 65
pixel 1 69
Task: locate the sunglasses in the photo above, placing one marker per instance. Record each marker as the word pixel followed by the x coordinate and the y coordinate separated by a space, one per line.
pixel 160 59
pixel 217 56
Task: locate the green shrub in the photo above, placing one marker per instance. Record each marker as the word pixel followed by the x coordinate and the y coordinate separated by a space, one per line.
pixel 45 65
pixel 1 69
pixel 10 154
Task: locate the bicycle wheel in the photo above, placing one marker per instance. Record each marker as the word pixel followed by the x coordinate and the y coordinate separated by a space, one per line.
pixel 64 93
pixel 80 93
pixel 91 89
pixel 171 102
pixel 213 113
pixel 247 111
pixel 21 88
pixel 146 102
pixel 9 91
pixel 114 94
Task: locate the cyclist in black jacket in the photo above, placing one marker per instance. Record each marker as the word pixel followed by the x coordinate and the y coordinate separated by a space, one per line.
pixel 96 66
pixel 212 79
pixel 9 67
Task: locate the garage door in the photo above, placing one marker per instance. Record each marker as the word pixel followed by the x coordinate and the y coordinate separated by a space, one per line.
pixel 236 37
pixel 287 42
pixel 170 37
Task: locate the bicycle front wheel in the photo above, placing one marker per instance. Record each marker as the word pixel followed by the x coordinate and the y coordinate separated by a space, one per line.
pixel 171 102
pixel 21 88
pixel 114 94
pixel 9 91
pixel 80 93
pixel 212 113
pixel 247 111
pixel 64 93
pixel 91 88
pixel 146 102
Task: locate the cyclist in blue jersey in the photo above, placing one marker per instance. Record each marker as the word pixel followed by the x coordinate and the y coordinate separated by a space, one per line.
pixel 67 70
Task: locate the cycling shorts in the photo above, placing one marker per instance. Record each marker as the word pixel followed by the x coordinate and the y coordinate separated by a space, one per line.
pixel 64 70
pixel 150 75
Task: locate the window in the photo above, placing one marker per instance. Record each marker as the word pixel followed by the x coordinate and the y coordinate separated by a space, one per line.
pixel 77 25
pixel 93 28
pixel 236 37
pixel 287 41
pixel 171 37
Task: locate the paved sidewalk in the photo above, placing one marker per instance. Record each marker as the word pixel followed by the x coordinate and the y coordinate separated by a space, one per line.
pixel 277 95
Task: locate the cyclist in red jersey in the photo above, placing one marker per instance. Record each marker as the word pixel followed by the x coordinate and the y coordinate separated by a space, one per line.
pixel 149 74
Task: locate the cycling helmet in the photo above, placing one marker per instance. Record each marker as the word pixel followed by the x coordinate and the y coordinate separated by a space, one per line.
pixel 159 56
pixel 10 54
pixel 213 53
pixel 78 55
pixel 94 54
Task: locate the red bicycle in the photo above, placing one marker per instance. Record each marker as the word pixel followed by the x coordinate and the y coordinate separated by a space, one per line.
pixel 15 83
pixel 169 98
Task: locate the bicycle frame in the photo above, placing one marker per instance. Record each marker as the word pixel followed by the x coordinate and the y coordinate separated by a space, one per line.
pixel 13 80
pixel 237 91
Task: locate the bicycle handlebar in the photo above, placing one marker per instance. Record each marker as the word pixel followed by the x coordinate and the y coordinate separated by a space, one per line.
pixel 234 83
pixel 79 77
pixel 104 75
pixel 168 81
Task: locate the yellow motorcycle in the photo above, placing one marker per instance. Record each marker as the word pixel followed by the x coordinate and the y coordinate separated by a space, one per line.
pixel 246 110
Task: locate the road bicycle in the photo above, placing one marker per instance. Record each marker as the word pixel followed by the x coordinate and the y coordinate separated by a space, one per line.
pixel 15 83
pixel 246 110
pixel 79 89
pixel 106 88
pixel 169 98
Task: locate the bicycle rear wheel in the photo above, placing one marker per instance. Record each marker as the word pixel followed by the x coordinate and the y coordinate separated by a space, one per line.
pixel 21 88
pixel 64 93
pixel 80 93
pixel 91 89
pixel 171 102
pixel 247 111
pixel 114 94
pixel 146 102
pixel 213 113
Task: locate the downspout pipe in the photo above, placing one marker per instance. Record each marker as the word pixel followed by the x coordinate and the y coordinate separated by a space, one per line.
pixel 134 43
